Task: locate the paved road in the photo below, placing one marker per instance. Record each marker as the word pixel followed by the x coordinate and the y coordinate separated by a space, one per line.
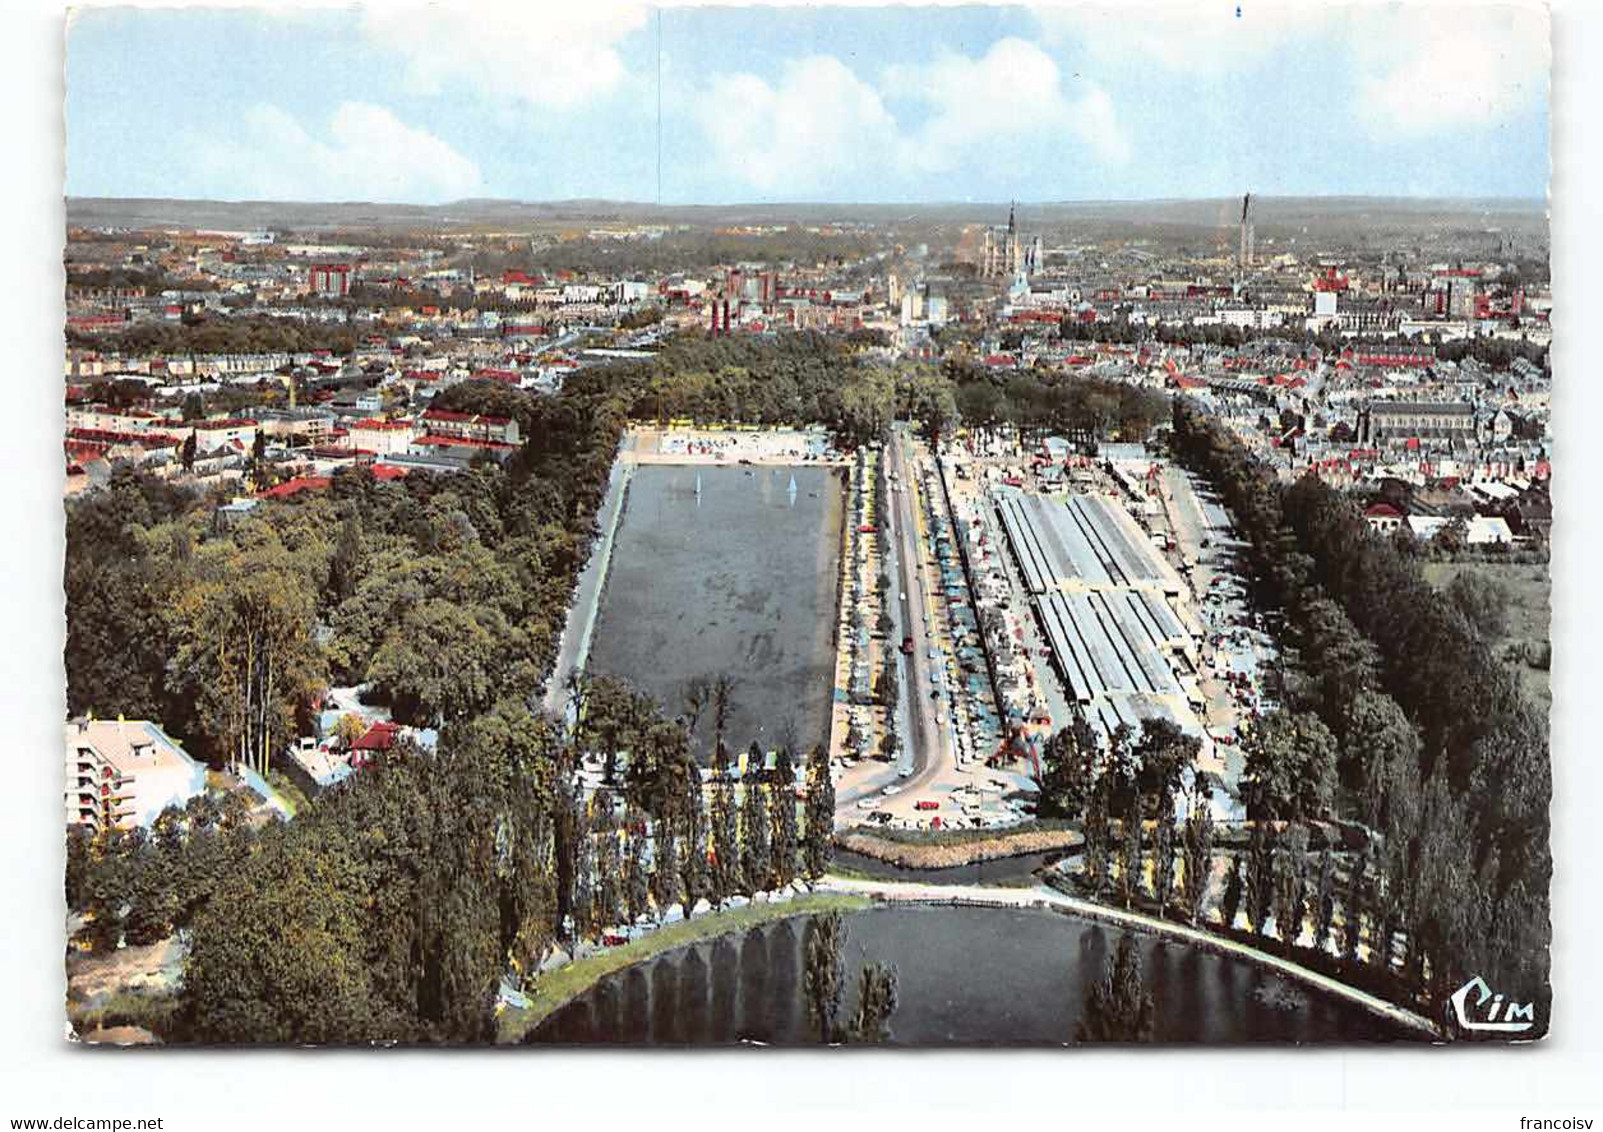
pixel 908 606
pixel 933 753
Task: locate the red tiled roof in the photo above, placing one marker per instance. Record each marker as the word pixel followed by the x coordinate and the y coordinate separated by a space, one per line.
pixel 295 487
pixel 380 737
pixel 448 415
pixel 436 440
pixel 106 437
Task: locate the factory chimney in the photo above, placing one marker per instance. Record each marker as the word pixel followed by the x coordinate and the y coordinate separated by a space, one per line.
pixel 1244 257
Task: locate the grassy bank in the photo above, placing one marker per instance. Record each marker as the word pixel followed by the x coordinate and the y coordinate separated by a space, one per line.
pixel 557 988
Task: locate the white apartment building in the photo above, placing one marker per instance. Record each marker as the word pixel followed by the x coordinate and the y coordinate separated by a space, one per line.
pixel 123 773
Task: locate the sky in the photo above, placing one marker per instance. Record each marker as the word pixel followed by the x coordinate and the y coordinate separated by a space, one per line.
pixel 903 104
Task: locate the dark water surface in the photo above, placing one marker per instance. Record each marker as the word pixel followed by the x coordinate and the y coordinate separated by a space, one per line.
pixel 741 579
pixel 965 975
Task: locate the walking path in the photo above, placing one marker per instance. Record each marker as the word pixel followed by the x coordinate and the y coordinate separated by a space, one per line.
pixel 574 650
pixel 1043 897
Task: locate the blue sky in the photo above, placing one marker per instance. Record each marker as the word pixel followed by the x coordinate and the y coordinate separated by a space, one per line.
pixel 846 104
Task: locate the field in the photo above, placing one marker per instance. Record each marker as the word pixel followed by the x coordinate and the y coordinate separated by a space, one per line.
pixel 1529 589
pixel 738 578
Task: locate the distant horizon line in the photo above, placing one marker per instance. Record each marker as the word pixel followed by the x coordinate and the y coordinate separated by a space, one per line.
pixel 1541 201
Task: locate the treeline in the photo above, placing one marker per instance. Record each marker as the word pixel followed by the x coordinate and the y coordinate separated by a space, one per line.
pixel 1042 404
pixel 393 908
pixel 414 887
pixel 1426 727
pixel 221 335
pixel 153 279
pixel 445 593
pixel 810 378
pixel 678 251
pixel 788 380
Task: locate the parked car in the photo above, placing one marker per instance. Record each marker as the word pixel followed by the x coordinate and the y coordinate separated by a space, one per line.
pixel 926 804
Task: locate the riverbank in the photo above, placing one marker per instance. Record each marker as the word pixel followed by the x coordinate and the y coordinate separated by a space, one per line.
pixel 555 989
pixel 950 849
pixel 1047 898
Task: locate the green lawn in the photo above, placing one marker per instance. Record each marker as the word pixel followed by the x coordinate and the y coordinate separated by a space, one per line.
pixel 556 989
pixel 1529 612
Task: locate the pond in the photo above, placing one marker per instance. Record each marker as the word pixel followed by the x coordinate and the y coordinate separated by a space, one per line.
pixel 727 570
pixel 965 975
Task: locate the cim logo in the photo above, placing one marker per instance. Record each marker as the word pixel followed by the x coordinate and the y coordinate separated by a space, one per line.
pixel 1499 1018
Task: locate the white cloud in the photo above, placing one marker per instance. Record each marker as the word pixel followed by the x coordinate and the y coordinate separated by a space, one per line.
pixel 555 57
pixel 369 154
pixel 818 122
pixel 1012 93
pixel 1415 69
pixel 1205 40
pixel 1428 70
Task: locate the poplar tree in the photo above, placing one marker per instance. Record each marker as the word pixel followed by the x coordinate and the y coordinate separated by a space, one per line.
pixel 819 838
pixel 726 870
pixel 876 1002
pixel 637 886
pixel 1260 878
pixel 1130 854
pixel 1163 866
pixel 756 861
pixel 821 974
pixel 784 838
pixel 665 879
pixel 1325 897
pixel 1118 1009
pixel 609 877
pixel 1353 912
pixel 583 903
pixel 1198 859
pixel 693 851
pixel 1235 888
pixel 1094 855
pixel 1289 884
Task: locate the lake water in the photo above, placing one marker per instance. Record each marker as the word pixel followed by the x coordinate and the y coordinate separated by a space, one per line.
pixel 965 975
pixel 740 578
